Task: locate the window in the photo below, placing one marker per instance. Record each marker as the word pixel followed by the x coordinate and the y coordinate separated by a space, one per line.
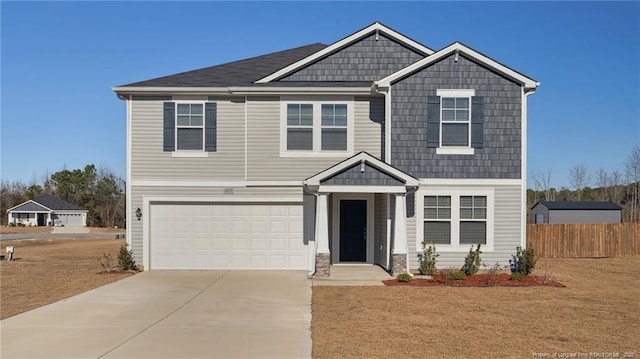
pixel 316 128
pixel 334 127
pixel 299 127
pixel 189 126
pixel 473 219
pixel 455 219
pixel 437 215
pixel 455 121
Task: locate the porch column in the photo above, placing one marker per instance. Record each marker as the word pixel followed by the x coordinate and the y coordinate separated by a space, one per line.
pixel 400 250
pixel 323 255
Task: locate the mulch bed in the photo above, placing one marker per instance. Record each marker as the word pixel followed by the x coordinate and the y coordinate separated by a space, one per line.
pixel 478 280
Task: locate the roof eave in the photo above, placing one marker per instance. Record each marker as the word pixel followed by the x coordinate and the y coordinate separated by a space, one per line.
pixel 243 90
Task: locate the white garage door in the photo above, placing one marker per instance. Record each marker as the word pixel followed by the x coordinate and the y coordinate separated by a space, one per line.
pixel 226 236
pixel 69 220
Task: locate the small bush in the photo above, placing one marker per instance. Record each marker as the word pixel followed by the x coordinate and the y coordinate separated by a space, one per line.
pixel 428 260
pixel 492 272
pixel 458 275
pixel 517 276
pixel 125 259
pixel 523 261
pixel 106 261
pixel 472 261
pixel 404 277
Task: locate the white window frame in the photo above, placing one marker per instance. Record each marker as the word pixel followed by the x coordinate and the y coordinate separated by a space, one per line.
pixel 455 150
pixel 317 103
pixel 455 245
pixel 189 153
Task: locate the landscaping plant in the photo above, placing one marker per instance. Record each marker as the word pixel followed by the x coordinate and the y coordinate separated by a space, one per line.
pixel 458 275
pixel 523 261
pixel 125 259
pixel 404 277
pixel 428 260
pixel 472 261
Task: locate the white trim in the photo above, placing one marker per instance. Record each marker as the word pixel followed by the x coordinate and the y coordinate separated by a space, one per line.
pixel 470 182
pixel 388 234
pixel 367 158
pixel 246 143
pixel 455 217
pixel 179 183
pixel 456 93
pixel 454 150
pixel 189 154
pixel 335 224
pixel 25 202
pixel 523 166
pixel 129 205
pixel 245 90
pixel 387 126
pixel 343 43
pixel 527 82
pixel 361 189
pixel 316 150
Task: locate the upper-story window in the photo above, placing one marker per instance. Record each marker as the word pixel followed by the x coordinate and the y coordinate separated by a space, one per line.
pixel 190 128
pixel 316 128
pixel 455 121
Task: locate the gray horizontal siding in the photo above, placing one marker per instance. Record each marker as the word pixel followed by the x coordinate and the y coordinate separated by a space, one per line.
pixel 507 231
pixel 263 136
pixel 500 156
pixel 371 176
pixel 138 192
pixel 366 60
pixel 590 216
pixel 150 162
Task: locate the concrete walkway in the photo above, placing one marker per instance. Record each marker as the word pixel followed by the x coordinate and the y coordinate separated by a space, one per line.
pixel 171 314
pixel 354 275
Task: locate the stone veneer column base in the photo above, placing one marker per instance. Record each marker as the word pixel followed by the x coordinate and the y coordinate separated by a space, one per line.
pixel 323 265
pixel 399 263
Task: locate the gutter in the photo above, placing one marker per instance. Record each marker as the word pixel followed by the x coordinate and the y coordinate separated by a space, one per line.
pixel 241 90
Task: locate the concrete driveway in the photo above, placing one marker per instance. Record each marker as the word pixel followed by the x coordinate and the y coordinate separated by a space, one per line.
pixel 172 314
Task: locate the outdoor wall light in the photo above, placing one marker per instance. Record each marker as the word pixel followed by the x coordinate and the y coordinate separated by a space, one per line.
pixel 138 213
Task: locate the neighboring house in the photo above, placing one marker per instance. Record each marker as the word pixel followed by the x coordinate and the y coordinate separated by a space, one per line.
pixel 354 152
pixel 47 210
pixel 575 212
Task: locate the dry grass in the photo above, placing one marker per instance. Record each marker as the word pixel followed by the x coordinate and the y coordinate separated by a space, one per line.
pixel 598 311
pixel 20 230
pixel 48 270
pixel 106 230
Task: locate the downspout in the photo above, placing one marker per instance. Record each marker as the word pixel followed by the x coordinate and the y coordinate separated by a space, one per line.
pixel 523 175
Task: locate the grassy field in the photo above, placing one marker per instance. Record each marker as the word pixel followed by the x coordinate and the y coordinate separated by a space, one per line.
pixel 598 312
pixel 47 270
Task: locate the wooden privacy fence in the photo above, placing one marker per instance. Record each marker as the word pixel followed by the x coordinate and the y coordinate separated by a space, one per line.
pixel 584 240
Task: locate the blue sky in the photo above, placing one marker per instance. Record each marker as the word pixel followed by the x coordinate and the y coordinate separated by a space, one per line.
pixel 60 60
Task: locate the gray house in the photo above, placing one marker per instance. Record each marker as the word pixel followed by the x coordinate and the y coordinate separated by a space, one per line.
pixel 47 210
pixel 575 212
pixel 354 152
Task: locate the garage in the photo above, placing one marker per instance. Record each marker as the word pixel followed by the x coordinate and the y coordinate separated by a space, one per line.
pixel 226 236
pixel 68 219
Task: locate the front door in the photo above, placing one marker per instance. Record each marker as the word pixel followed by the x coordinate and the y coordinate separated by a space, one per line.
pixel 353 230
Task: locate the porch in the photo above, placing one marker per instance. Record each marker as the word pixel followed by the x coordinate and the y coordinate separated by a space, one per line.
pixel 353 275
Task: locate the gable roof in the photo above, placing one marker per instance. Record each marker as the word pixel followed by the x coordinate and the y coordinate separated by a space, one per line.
pixel 579 205
pixel 376 27
pixel 29 206
pixel 56 203
pixel 362 157
pixel 236 73
pixel 460 48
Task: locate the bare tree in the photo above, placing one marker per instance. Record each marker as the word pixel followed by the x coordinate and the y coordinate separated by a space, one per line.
pixel 603 181
pixel 615 180
pixel 632 169
pixel 579 178
pixel 542 182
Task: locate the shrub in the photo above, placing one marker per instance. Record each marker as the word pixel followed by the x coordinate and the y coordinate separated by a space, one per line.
pixel 472 261
pixel 492 272
pixel 404 277
pixel 428 260
pixel 523 261
pixel 125 259
pixel 517 276
pixel 458 275
pixel 106 261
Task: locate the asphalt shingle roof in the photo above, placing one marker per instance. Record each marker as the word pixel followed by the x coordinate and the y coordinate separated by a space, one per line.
pixel 580 205
pixel 30 206
pixel 56 203
pixel 237 73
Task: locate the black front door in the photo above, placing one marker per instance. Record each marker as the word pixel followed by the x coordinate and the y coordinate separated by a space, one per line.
pixel 353 230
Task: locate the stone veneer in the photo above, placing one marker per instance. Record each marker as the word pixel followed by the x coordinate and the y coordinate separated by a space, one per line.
pixel 323 265
pixel 399 263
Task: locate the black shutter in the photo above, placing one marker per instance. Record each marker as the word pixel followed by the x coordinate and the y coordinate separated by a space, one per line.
pixel 433 121
pixel 477 122
pixel 169 126
pixel 210 126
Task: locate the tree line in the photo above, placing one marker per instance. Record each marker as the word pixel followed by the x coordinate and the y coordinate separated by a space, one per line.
pixel 619 186
pixel 98 190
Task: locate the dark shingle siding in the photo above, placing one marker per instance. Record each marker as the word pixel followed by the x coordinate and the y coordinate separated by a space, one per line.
pixel 579 205
pixel 56 203
pixel 30 207
pixel 501 155
pixel 370 177
pixel 237 73
pixel 367 60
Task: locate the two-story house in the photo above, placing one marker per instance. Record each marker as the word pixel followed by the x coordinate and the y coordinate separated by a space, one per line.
pixel 355 152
